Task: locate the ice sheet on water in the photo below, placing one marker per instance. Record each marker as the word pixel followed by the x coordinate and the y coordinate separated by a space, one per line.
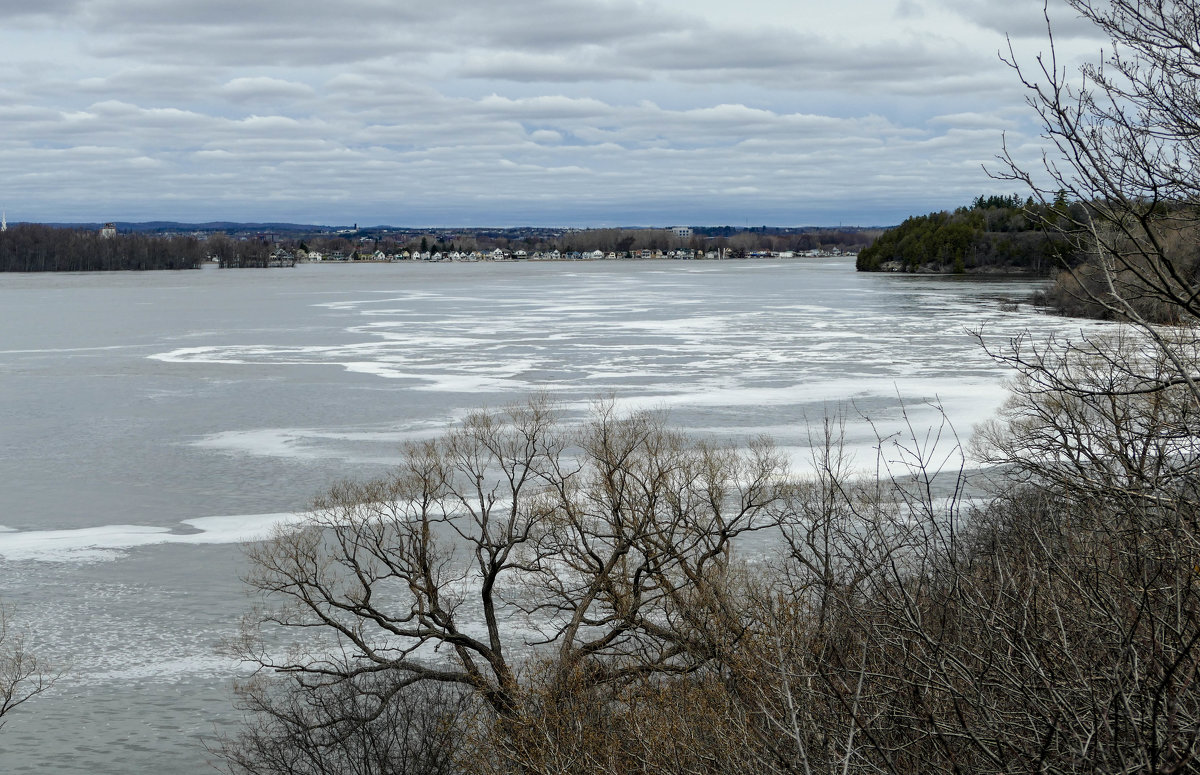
pixel 107 542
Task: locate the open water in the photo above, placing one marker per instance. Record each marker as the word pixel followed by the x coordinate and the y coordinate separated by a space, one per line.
pixel 152 422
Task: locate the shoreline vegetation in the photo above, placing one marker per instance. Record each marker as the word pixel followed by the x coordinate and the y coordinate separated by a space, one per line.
pixel 895 627
pixel 37 248
pixel 994 235
pixel 1003 235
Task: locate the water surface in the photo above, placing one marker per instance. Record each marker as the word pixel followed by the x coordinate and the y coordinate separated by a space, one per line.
pixel 153 421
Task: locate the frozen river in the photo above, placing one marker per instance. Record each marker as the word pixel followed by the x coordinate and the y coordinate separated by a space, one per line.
pixel 150 423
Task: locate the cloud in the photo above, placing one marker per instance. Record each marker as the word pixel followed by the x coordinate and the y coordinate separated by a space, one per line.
pixel 21 10
pixel 1025 18
pixel 262 88
pixel 545 137
pixel 539 67
pixel 989 121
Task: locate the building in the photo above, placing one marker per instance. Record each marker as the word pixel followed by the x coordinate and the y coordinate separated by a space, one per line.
pixel 681 233
pixel 109 231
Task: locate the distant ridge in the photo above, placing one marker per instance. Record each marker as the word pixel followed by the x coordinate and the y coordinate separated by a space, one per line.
pixel 239 226
pixel 151 226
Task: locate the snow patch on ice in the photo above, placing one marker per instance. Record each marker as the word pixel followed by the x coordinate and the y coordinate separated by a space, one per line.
pixel 109 542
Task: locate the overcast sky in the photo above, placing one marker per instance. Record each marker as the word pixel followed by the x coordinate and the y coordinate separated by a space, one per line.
pixel 472 112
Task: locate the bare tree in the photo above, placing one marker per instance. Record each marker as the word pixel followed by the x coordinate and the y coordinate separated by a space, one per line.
pixel 1125 146
pixel 23 675
pixel 609 546
pixel 292 730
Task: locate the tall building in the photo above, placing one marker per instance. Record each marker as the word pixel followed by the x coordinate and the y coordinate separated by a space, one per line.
pixel 4 221
pixel 109 231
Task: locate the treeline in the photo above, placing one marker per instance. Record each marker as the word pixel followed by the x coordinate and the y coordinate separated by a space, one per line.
pixel 996 233
pixel 232 253
pixel 1122 287
pixel 737 242
pixel 35 248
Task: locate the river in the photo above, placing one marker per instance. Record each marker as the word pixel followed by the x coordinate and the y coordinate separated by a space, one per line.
pixel 152 422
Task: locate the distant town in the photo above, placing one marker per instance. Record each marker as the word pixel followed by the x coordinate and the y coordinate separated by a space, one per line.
pixel 282 256
pixel 533 244
pixel 163 245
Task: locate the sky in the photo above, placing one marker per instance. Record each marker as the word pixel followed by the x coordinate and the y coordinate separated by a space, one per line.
pixel 543 112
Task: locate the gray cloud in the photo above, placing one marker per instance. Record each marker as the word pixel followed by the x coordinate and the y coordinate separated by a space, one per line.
pixel 23 11
pixel 541 67
pixel 263 88
pixel 1024 18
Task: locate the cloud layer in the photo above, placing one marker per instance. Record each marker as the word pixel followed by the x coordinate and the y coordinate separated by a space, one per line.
pixel 476 113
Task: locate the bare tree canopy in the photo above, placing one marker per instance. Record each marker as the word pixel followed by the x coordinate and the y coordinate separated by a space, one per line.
pixel 23 675
pixel 608 545
pixel 1125 147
